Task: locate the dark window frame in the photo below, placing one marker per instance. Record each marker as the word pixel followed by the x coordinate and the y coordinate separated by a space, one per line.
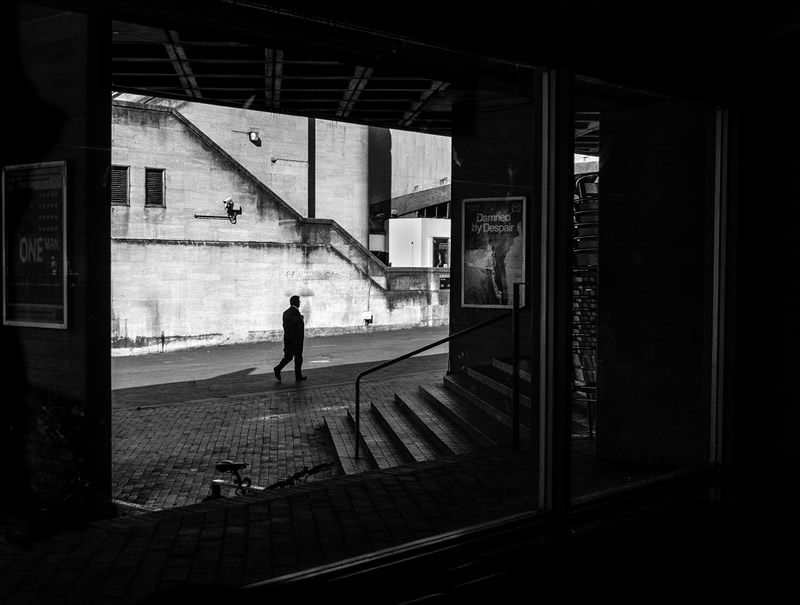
pixel 155 193
pixel 120 192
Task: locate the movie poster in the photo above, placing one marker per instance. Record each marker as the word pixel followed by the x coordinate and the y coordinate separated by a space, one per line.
pixel 494 245
pixel 34 245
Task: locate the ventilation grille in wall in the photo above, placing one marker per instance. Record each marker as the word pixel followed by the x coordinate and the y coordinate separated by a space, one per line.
pixel 119 185
pixel 154 187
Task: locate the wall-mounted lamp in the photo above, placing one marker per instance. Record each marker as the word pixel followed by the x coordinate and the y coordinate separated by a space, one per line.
pixel 254 138
pixel 273 159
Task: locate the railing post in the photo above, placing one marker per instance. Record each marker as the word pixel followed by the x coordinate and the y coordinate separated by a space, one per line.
pixel 358 414
pixel 515 372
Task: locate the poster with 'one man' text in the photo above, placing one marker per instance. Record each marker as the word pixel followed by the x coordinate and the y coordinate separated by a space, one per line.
pixel 34 245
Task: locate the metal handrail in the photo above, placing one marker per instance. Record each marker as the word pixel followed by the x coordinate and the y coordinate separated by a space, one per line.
pixel 513 313
pixel 515 371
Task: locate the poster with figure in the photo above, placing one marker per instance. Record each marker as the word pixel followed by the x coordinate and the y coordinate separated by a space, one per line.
pixel 441 252
pixel 493 254
pixel 34 245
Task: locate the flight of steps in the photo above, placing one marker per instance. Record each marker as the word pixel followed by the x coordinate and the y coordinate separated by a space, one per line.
pixel 458 414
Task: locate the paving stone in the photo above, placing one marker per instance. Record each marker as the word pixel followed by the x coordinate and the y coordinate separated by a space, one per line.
pixel 160 461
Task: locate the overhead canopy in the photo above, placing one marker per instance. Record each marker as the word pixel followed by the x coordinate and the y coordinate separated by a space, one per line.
pixel 408 71
pixel 299 80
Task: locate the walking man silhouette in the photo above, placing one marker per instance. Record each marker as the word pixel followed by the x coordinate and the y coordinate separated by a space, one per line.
pixel 293 335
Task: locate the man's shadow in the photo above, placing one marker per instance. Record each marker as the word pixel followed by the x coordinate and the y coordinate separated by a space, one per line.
pixel 247 382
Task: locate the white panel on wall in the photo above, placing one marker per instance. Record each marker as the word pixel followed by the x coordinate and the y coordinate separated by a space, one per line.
pixel 411 240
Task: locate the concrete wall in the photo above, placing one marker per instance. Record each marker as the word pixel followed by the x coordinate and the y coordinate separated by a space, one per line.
pixel 213 293
pixel 55 418
pixel 419 162
pixel 179 281
pixel 284 138
pixel 198 177
pixel 343 167
pixel 413 202
pixel 342 176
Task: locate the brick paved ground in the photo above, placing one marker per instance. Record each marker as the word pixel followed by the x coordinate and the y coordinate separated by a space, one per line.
pixel 164 456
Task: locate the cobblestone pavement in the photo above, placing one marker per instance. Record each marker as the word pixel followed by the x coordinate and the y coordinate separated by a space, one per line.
pixel 165 455
pixel 175 415
pixel 166 439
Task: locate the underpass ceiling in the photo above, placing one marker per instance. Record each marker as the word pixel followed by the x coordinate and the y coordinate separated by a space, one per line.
pixel 296 79
pixel 301 81
pixel 372 65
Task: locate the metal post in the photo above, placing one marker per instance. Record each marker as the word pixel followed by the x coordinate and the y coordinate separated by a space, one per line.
pixel 515 373
pixel 358 414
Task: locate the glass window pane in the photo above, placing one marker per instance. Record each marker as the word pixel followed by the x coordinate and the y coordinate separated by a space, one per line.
pixel 641 272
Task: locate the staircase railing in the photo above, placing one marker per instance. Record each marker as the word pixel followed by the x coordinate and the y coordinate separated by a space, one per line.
pixel 514 314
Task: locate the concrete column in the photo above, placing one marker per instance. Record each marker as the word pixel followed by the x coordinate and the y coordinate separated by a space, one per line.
pixel 654 273
pixel 312 168
pixel 60 388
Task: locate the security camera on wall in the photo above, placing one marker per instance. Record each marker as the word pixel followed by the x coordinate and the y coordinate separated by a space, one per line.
pixel 232 212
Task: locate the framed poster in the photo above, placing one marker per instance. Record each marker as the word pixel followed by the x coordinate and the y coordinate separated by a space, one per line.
pixel 494 251
pixel 35 245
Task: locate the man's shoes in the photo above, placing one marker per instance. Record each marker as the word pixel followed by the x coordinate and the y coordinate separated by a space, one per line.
pixel 301 377
pixel 277 373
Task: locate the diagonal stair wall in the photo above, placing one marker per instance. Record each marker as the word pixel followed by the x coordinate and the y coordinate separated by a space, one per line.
pixel 179 282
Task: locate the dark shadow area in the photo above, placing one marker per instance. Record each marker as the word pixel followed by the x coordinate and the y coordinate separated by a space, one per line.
pixel 695 547
pixel 244 382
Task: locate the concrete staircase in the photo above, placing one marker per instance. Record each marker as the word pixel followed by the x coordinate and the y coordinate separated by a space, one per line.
pixel 460 414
